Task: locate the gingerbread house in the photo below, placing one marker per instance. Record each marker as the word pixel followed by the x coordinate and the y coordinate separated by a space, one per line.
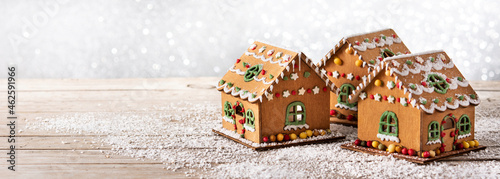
pixel 417 101
pixel 270 91
pixel 348 64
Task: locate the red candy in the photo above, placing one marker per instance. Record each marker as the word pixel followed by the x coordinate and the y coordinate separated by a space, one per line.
pixel 369 143
pixel 293 92
pixel 333 112
pixel 357 142
pixel 357 77
pixel 424 83
pixel 404 151
pixel 325 89
pixel 309 90
pixel 277 95
pixel 342 75
pixel 287 137
pixel 350 117
pixel 263 72
pixel 238 60
pixel 265 139
pixel 329 73
pixel 371 96
pixel 385 98
pixel 411 152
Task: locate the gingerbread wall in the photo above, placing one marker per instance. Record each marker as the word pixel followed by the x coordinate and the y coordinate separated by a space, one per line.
pixel 370 111
pixel 347 67
pixel 438 117
pixel 252 136
pixel 317 105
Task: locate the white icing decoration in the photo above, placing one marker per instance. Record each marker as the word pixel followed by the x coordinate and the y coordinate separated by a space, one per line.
pixel 286 58
pixel 323 71
pixel 228 119
pixel 362 95
pixel 264 59
pixel 252 47
pixel 302 91
pixel 377 97
pixel 464 136
pixel 335 74
pixel 240 93
pixel 428 66
pixel 390 99
pixel 269 97
pixel 342 106
pixel 270 52
pixel 286 93
pixel 384 137
pixel 402 101
pixel 295 127
pixel 391 84
pixel 350 76
pixel 262 49
pixel 466 102
pixel 294 76
pixel 315 90
pixel 419 60
pixel 249 128
pixel 436 141
pixel 363 46
pixel 279 54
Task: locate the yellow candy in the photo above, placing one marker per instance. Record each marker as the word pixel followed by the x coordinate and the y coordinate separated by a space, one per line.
pixel 328 131
pixel 280 137
pixel 472 143
pixel 303 135
pixel 387 73
pixel 309 133
pixel 476 142
pixel 438 151
pixel 337 61
pixel 466 145
pixel 375 144
pixel 398 149
pixel 391 148
pixel 293 136
pixel 272 138
pixel 322 132
pixel 358 63
pixel 378 83
pixel 349 50
pixel 432 153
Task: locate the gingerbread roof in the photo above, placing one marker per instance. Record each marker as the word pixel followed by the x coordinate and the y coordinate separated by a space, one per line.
pixel 370 46
pixel 431 79
pixel 267 63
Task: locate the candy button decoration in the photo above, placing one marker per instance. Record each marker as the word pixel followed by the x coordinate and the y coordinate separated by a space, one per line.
pixel 378 83
pixel 349 50
pixel 387 73
pixel 358 63
pixel 337 61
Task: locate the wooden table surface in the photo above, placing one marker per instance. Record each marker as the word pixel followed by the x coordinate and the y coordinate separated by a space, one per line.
pixel 41 153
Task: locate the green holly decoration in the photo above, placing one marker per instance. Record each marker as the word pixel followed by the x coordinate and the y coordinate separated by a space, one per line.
pixel 237 89
pixel 253 95
pixel 412 86
pixel 367 40
pixel 271 76
pixel 245 64
pixel 409 62
pixel 372 61
pixel 432 59
pixel 399 53
pixel 230 84
pixel 473 96
pixel 384 37
pixel 307 74
pixel 221 82
pixel 435 100
pixel 424 102
pixel 461 97
pixel 460 78
pixel 449 99
pixel 285 78
pixel 245 92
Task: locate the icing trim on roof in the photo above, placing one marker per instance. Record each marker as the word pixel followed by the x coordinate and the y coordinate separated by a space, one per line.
pixel 364 33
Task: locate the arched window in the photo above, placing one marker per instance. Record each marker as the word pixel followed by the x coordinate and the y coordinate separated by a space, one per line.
pixel 228 110
pixel 440 85
pixel 250 119
pixel 388 124
pixel 433 131
pixel 449 123
pixel 239 110
pixel 345 91
pixel 295 113
pixel 463 125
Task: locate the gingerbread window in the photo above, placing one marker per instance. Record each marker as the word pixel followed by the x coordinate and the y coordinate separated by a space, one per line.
pixel 440 85
pixel 433 131
pixel 228 110
pixel 295 113
pixel 250 119
pixel 464 125
pixel 388 124
pixel 345 91
pixel 239 110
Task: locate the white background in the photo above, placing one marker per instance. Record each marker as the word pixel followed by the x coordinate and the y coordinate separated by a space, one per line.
pixel 133 38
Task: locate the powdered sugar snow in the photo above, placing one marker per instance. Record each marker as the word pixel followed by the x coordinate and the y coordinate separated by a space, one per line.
pixel 182 138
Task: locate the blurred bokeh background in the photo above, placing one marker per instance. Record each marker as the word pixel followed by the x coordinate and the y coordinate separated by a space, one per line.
pixel 156 39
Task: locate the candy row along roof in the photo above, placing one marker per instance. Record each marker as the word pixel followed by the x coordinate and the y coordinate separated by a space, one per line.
pixel 430 80
pixel 370 46
pixel 259 68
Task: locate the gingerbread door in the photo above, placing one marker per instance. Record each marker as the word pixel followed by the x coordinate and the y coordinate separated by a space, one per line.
pixel 448 133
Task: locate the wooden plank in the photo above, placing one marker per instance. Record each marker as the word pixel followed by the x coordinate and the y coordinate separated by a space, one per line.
pixel 414 159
